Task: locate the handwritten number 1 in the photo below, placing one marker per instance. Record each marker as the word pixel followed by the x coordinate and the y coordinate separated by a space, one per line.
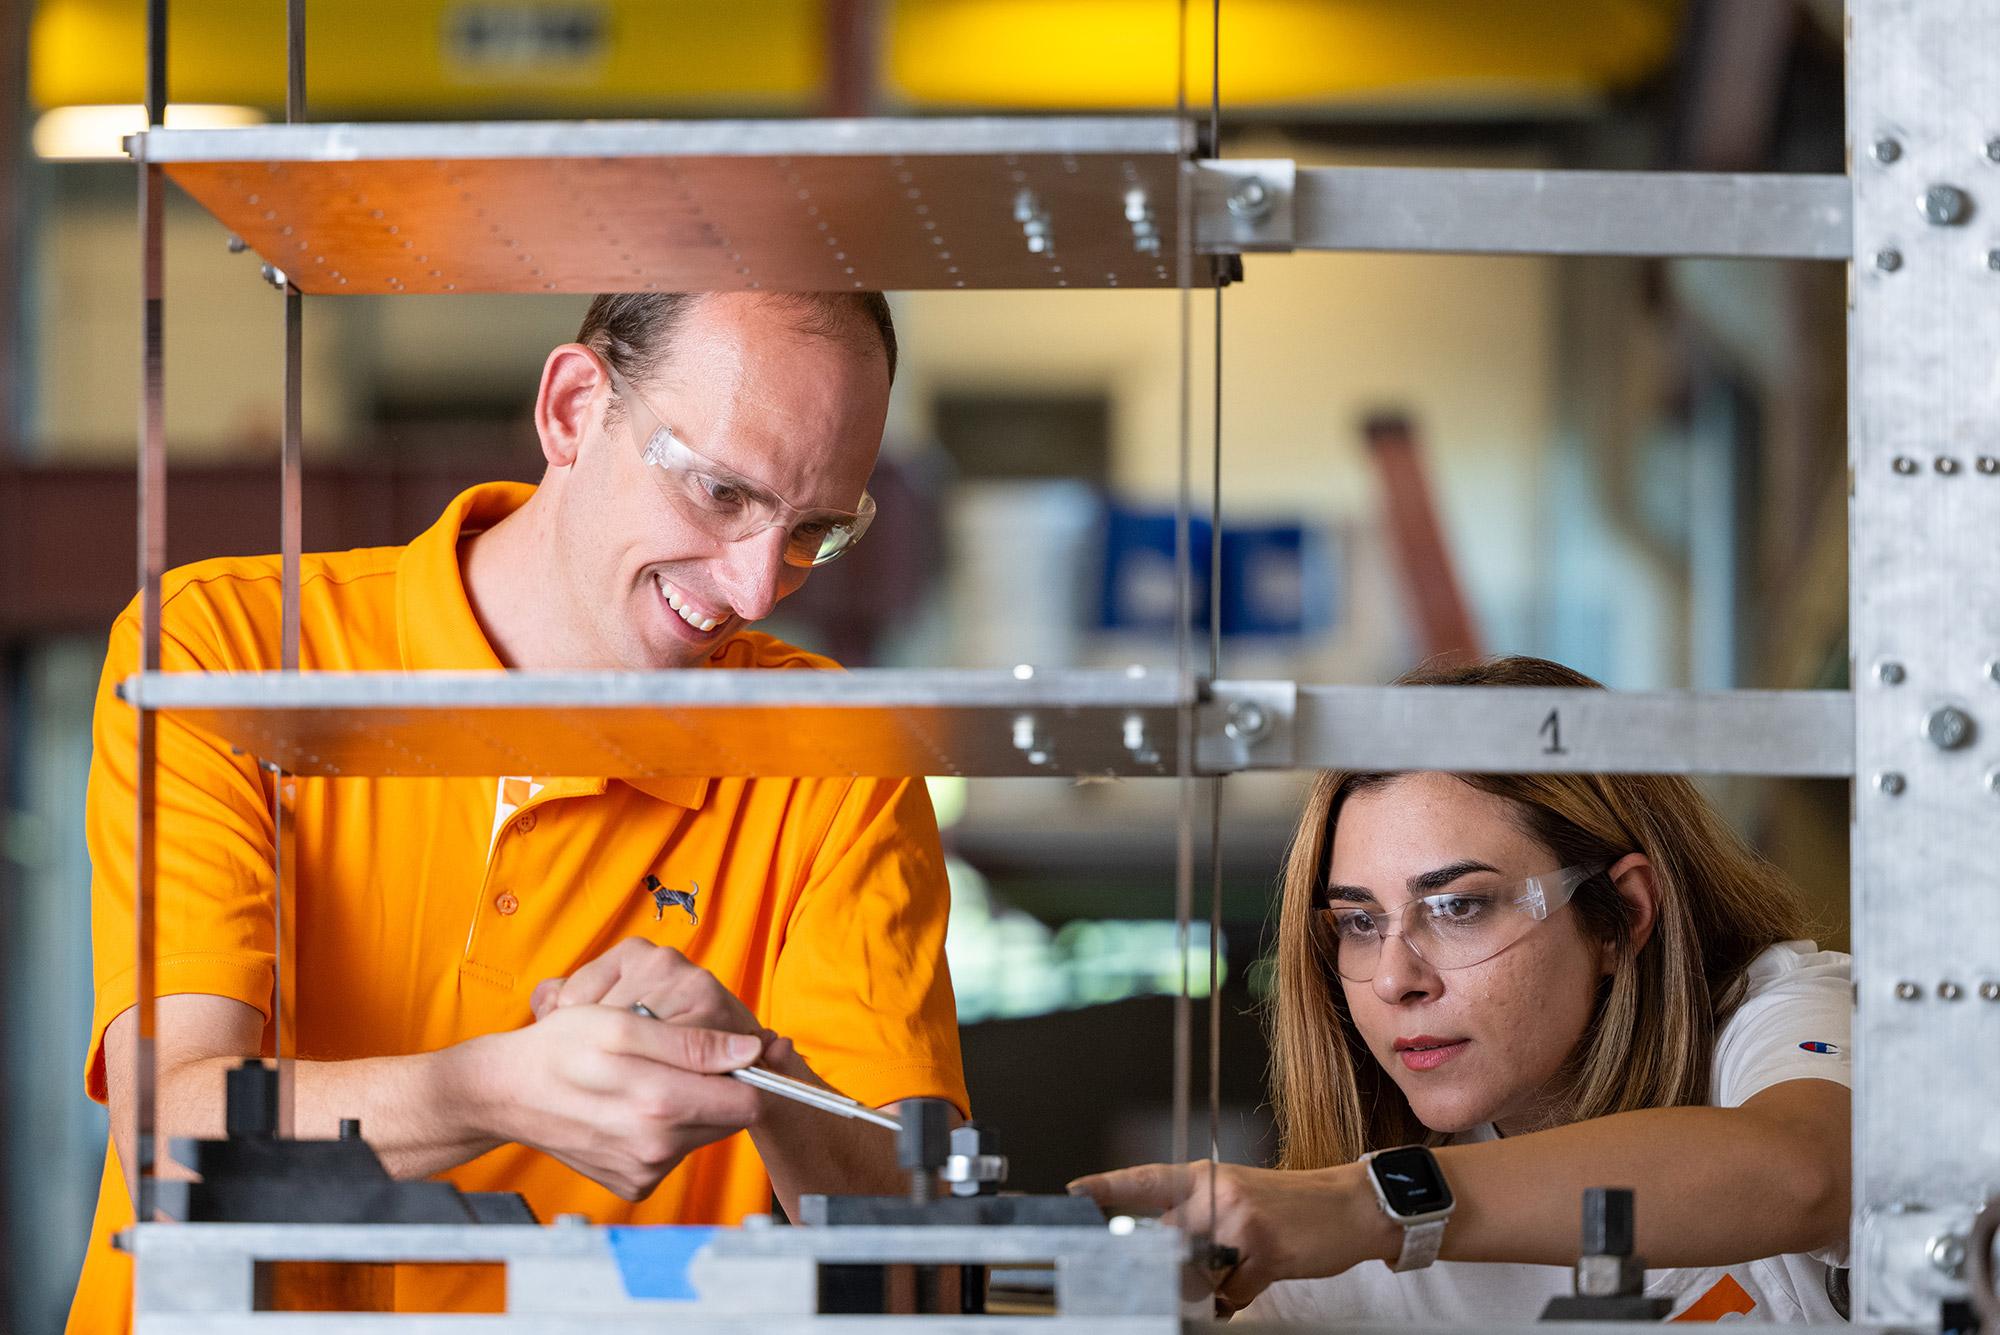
pixel 1552 729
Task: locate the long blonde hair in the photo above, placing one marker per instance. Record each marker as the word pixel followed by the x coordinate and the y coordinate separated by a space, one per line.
pixel 1651 1041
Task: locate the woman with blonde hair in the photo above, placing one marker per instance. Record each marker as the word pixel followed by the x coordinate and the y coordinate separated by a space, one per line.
pixel 1497 991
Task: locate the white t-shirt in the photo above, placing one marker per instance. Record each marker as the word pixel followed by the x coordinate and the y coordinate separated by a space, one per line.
pixel 1792 1025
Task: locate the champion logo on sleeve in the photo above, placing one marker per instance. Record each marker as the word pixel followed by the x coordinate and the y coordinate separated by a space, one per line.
pixel 1828 1049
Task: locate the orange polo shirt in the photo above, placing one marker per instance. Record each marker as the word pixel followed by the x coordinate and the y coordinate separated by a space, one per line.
pixel 421 912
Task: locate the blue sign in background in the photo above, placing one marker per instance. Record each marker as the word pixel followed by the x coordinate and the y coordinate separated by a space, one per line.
pixel 1277 579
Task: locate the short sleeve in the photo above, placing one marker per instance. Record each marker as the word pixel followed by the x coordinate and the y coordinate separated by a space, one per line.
pixel 1793 1024
pixel 861 985
pixel 213 923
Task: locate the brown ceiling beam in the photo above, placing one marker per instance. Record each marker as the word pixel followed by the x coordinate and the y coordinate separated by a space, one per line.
pixel 67 533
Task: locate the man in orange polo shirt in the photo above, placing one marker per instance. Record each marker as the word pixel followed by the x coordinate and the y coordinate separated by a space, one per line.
pixel 462 955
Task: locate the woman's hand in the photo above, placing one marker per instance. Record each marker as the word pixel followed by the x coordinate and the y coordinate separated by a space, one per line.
pixel 1282 1225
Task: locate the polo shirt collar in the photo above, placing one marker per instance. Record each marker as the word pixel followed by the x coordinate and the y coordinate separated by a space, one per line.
pixel 437 632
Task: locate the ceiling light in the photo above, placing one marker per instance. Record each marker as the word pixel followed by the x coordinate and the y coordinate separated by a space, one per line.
pixel 96 133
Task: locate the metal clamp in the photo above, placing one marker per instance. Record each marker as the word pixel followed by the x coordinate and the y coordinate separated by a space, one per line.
pixel 1245 204
pixel 1246 725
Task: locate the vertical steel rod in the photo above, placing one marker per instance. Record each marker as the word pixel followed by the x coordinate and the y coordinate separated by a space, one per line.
pixel 291 540
pixel 152 483
pixel 1183 626
pixel 1215 662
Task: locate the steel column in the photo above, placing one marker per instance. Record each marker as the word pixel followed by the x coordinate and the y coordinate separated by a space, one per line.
pixel 1923 343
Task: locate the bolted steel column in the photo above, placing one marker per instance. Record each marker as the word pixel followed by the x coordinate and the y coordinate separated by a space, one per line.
pixel 1924 339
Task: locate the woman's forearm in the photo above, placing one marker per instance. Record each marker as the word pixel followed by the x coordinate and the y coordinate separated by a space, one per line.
pixel 1713 1186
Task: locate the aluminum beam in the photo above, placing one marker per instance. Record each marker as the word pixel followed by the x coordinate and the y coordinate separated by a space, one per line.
pixel 1516 212
pixel 1923 342
pixel 709 205
pixel 1507 730
pixel 703 724
pixel 1023 722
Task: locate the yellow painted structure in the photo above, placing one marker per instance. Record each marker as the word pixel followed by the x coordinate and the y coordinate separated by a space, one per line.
pixel 401 58
pixel 413 58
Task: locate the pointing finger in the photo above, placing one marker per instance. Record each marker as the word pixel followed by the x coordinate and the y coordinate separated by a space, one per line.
pixel 1156 1186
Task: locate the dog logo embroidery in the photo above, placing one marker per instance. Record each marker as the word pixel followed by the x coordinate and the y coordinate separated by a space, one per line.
pixel 663 899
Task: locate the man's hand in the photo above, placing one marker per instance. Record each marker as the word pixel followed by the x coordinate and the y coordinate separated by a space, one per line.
pixel 617 1097
pixel 666 982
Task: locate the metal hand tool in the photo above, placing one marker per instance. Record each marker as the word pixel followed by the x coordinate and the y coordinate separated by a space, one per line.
pixel 798 1091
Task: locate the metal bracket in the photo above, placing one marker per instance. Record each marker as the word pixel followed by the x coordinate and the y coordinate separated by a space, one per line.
pixel 1244 204
pixel 1246 725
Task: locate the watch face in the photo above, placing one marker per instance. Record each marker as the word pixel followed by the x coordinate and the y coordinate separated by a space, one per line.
pixel 1410 1180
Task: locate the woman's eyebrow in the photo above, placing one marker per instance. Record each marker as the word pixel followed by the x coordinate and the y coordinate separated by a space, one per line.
pixel 1349 894
pixel 1426 882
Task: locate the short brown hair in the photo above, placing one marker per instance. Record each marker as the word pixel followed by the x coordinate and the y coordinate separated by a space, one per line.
pixel 635 331
pixel 1651 1042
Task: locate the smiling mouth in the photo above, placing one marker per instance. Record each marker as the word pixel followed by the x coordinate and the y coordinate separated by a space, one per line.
pixel 695 620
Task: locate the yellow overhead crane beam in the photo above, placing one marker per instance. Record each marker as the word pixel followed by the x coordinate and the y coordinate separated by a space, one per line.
pixel 399 59
pixel 1445 54
pixel 404 59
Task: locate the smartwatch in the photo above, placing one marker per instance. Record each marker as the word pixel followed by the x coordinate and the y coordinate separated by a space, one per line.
pixel 1410 1188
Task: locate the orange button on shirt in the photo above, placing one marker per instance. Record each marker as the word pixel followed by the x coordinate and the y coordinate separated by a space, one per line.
pixel 421 912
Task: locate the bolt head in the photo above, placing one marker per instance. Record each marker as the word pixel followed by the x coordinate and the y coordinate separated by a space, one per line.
pixel 1891 783
pixel 1950 991
pixel 1888 261
pixel 1891 674
pixel 1993 259
pixel 1989 991
pixel 1947 1254
pixel 1247 721
pixel 1250 200
pixel 1907 992
pixel 1987 464
pixel 1948 728
pixel 1887 150
pixel 1945 206
pixel 1904 464
pixel 1993 150
pixel 1946 465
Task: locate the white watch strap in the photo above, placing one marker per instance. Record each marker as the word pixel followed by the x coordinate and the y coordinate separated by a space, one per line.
pixel 1420 1245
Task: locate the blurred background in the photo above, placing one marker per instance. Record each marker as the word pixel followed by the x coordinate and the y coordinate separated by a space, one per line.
pixel 1636 467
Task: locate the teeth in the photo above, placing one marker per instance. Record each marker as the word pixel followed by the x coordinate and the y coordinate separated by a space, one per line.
pixel 700 623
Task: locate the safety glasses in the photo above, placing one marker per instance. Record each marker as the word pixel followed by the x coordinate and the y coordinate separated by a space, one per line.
pixel 1453 930
pixel 726 505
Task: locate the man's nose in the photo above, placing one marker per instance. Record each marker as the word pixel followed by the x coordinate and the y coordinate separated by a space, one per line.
pixel 753 573
pixel 1401 975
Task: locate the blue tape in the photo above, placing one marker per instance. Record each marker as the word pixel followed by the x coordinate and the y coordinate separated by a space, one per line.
pixel 653 1260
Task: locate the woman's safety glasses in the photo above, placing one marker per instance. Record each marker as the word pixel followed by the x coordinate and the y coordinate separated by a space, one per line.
pixel 1453 930
pixel 728 506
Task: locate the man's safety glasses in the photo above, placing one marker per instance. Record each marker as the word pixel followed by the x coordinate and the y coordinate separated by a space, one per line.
pixel 728 506
pixel 1453 930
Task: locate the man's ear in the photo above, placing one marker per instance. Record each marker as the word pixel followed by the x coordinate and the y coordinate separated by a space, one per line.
pixel 1632 876
pixel 567 404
